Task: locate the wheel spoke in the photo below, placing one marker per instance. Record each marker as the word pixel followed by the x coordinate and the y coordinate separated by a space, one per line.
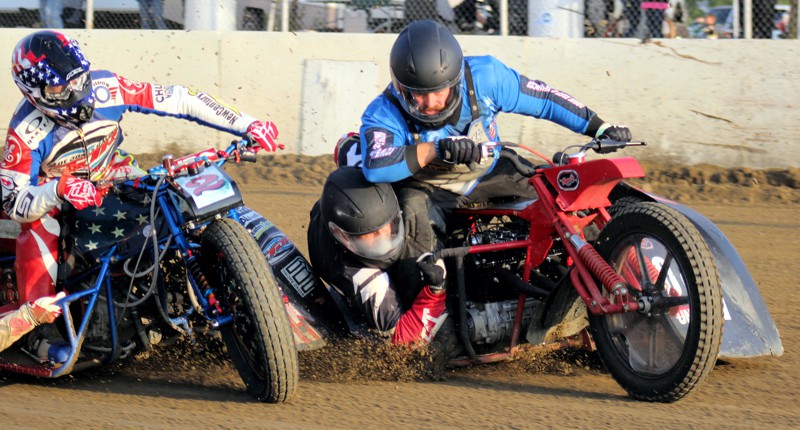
pixel 643 272
pixel 650 343
pixel 629 262
pixel 662 275
pixel 654 342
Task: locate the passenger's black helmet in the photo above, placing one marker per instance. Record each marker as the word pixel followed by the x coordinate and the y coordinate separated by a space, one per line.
pixel 363 216
pixel 425 58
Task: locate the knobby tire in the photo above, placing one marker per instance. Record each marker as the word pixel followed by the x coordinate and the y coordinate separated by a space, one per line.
pixel 260 341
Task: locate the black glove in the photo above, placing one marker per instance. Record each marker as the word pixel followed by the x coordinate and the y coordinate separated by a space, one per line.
pixel 458 150
pixel 433 272
pixel 619 133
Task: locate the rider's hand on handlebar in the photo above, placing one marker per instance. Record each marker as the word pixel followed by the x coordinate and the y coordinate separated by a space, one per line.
pixel 619 133
pixel 79 192
pixel 458 150
pixel 433 272
pixel 263 135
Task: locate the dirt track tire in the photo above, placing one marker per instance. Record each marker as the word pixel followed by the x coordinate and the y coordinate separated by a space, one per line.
pixel 663 355
pixel 259 340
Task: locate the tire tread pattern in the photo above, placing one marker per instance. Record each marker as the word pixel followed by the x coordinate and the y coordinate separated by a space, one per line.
pixel 251 271
pixel 703 272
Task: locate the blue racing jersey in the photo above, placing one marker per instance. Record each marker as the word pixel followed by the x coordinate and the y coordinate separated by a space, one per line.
pixel 388 147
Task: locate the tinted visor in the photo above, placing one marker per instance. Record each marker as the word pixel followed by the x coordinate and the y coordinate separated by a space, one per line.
pixel 452 102
pixel 380 243
pixel 66 95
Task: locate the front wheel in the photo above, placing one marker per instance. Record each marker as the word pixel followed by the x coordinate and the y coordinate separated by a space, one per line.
pixel 664 353
pixel 259 340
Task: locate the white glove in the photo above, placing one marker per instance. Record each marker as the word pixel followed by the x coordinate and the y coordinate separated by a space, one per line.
pixel 15 324
pixel 45 309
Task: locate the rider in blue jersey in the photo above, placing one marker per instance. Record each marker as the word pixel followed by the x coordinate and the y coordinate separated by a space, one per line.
pixel 423 135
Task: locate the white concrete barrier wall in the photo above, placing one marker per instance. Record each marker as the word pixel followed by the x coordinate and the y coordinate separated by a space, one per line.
pixel 729 103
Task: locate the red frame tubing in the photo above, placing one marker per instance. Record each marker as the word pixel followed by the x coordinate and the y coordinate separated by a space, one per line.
pixel 548 217
pixel 597 178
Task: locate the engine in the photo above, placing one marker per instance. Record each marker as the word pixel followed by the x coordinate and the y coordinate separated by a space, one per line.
pixel 484 284
pixel 489 323
pixel 494 280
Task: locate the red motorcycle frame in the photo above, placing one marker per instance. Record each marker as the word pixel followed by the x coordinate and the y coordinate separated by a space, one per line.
pixel 680 300
pixel 590 262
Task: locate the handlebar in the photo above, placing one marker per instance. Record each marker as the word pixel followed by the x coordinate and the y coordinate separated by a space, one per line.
pixel 240 150
pixel 600 146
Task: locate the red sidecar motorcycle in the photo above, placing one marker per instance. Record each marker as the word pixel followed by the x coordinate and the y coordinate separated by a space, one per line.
pixel 596 263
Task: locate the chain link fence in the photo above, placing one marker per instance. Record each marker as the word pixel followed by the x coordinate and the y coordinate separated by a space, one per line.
pixel 719 19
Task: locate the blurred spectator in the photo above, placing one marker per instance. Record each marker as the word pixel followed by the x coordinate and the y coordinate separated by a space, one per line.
pixel 599 13
pixel 61 13
pixel 151 14
pixel 654 16
pixel 437 10
pixel 50 13
pixel 467 14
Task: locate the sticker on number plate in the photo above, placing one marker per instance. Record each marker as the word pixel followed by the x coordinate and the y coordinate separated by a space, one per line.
pixel 207 187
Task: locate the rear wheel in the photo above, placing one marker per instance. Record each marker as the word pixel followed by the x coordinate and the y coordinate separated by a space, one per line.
pixel 259 340
pixel 662 354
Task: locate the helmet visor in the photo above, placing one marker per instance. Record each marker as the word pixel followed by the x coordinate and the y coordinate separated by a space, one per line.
pixel 431 105
pixel 380 243
pixel 66 95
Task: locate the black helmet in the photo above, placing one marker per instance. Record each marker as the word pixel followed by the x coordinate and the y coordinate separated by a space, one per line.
pixel 52 73
pixel 427 58
pixel 363 216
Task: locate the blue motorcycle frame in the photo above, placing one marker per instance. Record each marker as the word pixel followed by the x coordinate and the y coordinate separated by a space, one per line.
pixel 189 194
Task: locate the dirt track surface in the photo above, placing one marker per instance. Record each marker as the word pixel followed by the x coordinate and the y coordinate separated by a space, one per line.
pixel 759 211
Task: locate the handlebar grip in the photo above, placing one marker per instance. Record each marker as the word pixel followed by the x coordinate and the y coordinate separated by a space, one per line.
pixel 514 158
pixel 452 252
pixel 606 146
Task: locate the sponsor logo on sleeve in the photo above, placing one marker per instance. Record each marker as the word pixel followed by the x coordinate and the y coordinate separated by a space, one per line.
pixel 24 205
pixel 228 113
pixel 34 128
pixel 102 93
pixel 541 87
pixel 277 249
pixel 378 145
pixel 13 152
pixel 131 87
pixel 161 93
pixel 298 273
pixel 7 182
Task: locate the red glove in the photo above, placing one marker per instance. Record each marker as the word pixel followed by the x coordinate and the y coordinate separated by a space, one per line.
pixel 79 192
pixel 263 135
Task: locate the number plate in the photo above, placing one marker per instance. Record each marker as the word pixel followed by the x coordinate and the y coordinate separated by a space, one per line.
pixel 209 192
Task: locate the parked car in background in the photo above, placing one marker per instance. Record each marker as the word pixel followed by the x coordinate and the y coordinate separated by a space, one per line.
pixel 107 14
pixel 718 23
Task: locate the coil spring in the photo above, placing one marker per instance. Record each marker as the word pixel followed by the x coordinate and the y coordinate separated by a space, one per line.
pixel 601 269
pixel 199 277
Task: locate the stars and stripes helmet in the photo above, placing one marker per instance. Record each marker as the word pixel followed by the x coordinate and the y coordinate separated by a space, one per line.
pixel 53 74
